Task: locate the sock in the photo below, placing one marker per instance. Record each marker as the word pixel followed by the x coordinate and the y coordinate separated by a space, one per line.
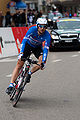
pixel 11 85
pixel 29 72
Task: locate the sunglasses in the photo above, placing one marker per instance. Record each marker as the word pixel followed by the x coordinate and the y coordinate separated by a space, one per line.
pixel 42 26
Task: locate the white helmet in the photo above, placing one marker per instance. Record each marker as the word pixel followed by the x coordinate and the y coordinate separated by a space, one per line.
pixel 41 21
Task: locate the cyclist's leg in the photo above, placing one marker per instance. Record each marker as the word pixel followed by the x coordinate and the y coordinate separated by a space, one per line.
pixel 34 69
pixel 26 53
pixel 14 75
pixel 26 49
pixel 16 70
pixel 38 54
pixel 37 67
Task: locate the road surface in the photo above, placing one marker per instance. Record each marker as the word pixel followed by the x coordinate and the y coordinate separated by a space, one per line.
pixel 52 94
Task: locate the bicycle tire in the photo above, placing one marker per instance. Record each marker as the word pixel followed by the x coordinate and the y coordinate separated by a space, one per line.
pixel 12 94
pixel 17 97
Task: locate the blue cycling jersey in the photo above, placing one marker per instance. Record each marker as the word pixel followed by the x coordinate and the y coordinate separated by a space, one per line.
pixel 35 40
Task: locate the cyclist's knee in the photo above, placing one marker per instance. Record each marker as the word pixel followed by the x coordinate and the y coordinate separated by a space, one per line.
pixel 40 59
pixel 19 64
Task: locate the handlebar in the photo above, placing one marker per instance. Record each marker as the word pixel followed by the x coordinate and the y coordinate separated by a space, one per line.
pixel 31 61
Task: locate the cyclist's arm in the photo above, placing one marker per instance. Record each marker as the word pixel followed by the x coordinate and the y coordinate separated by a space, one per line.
pixel 46 47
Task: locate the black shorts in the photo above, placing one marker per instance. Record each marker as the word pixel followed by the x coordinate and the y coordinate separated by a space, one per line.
pixel 28 50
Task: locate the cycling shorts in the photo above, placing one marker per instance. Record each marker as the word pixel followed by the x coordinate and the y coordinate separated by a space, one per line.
pixel 28 50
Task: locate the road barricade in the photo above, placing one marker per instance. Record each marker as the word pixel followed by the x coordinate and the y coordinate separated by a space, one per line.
pixel 10 40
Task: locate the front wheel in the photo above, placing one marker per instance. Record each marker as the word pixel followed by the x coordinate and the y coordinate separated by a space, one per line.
pixel 17 96
pixel 12 94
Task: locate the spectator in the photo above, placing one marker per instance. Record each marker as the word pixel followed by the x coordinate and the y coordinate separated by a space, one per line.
pixel 75 14
pixel 8 19
pixel 22 18
pixel 30 18
pixel 35 15
pixel 39 14
pixel 1 19
pixel 70 15
pixel 66 14
pixel 16 18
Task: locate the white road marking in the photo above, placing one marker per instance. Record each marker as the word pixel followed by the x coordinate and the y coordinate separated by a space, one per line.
pixel 74 55
pixel 79 52
pixel 9 75
pixel 8 60
pixel 58 60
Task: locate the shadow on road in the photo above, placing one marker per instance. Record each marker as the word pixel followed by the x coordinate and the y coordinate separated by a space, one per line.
pixel 42 103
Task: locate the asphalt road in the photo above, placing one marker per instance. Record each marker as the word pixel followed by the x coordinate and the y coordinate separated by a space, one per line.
pixel 52 94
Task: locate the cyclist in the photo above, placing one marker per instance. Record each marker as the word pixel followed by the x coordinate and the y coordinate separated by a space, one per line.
pixel 32 43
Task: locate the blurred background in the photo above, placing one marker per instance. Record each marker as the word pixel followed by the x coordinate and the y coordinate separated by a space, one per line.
pixel 25 12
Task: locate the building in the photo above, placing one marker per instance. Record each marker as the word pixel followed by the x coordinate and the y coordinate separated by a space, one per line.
pixel 3 7
pixel 32 4
pixel 71 6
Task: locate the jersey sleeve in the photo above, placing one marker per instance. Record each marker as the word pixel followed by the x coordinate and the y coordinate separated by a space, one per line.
pixel 31 30
pixel 46 47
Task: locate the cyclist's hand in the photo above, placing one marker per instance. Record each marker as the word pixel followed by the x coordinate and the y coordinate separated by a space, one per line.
pixel 42 66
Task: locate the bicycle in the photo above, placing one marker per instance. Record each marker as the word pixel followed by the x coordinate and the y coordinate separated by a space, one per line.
pixel 20 82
